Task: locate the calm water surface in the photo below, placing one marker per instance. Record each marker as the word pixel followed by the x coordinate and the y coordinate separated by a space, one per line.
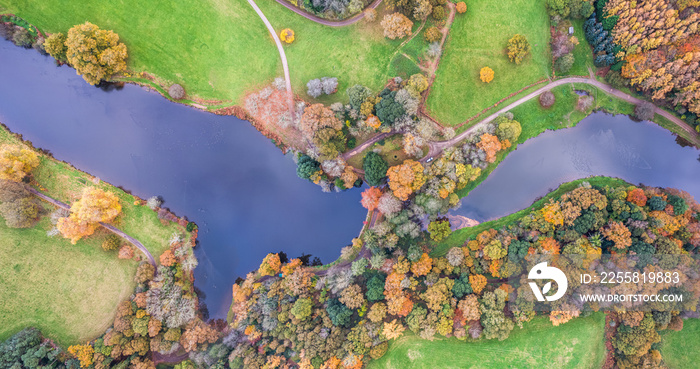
pixel 218 171
pixel 601 144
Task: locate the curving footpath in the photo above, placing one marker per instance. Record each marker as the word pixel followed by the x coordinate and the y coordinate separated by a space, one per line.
pixel 436 148
pixel 326 22
pixel 109 227
pixel 283 56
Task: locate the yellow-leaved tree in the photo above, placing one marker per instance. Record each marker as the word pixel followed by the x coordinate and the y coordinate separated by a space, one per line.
pixel 96 54
pixel 94 206
pixel 16 162
pixel 486 74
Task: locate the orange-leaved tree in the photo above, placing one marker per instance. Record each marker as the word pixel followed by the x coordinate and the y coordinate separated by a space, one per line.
pixel 396 25
pixel 16 162
pixel 490 144
pixel 94 206
pixel 270 265
pixel 84 353
pixel 95 54
pixel 406 178
pixel 370 198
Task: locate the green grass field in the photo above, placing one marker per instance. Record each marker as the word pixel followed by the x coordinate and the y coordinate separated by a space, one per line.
pixel 576 344
pixel 219 49
pixel 70 292
pixel 478 38
pixel 583 54
pixel 680 349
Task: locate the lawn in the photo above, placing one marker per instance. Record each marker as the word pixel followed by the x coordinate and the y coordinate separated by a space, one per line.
pixel 70 292
pixel 219 49
pixel 680 349
pixel 576 344
pixel 583 55
pixel 478 38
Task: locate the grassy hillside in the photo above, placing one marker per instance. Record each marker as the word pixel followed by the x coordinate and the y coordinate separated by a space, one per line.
pixel 576 344
pixel 70 292
pixel 478 39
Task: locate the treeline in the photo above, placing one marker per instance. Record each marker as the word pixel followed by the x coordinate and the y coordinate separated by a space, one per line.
pixel 344 317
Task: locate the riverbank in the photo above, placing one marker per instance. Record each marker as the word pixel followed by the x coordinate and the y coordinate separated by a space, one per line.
pixel 71 292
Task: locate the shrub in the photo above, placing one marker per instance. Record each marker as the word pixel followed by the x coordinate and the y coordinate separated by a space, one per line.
pixel 432 34
pixel 564 64
pixel 370 15
pixel 461 7
pixel 55 45
pixel 176 91
pixel 191 226
pixel 547 99
pixel 154 202
pixel 22 38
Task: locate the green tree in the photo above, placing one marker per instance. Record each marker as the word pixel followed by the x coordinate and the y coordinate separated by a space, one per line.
pixel 340 314
pixel 439 229
pixel 357 94
pixel 375 288
pixel 508 129
pixel 95 54
pixel 302 308
pixel 495 323
pixel 375 168
pixel 307 166
pixel 564 63
pixel 388 109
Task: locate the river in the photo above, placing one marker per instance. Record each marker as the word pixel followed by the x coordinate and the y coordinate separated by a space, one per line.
pixel 218 171
pixel 601 144
pixel 244 194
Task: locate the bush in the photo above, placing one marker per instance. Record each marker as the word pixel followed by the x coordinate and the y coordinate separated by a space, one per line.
pixel 154 202
pixel 191 226
pixel 370 15
pixel 564 64
pixel 547 99
pixel 432 34
pixel 518 48
pixel 7 30
pixel 111 242
pixel 176 91
pixel 644 111
pixel 22 38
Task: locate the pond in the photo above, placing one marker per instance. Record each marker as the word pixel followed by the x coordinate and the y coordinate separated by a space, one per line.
pixel 218 171
pixel 601 144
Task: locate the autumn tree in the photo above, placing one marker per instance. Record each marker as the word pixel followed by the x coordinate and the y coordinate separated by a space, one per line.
pixel 370 198
pixel 644 111
pixel 495 323
pixel 469 306
pixel 302 308
pixel 491 146
pixel 375 168
pixel 20 213
pixel 84 353
pixel 55 45
pixel 461 7
pixel 287 35
pixel 95 206
pixel 370 15
pixel 619 234
pixel 396 25
pixel 16 162
pixel 637 197
pixel 432 34
pixel 406 178
pixel 167 258
pixel 270 265
pixel 316 117
pixel 393 330
pixel 95 54
pixel 197 334
pixel 518 48
pixel 508 129
pixel 439 229
pixel 486 74
pixel 352 297
pixel 422 266
pixel 478 282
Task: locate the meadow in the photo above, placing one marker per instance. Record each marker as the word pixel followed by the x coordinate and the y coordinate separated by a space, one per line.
pixel 70 292
pixel 576 344
pixel 478 39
